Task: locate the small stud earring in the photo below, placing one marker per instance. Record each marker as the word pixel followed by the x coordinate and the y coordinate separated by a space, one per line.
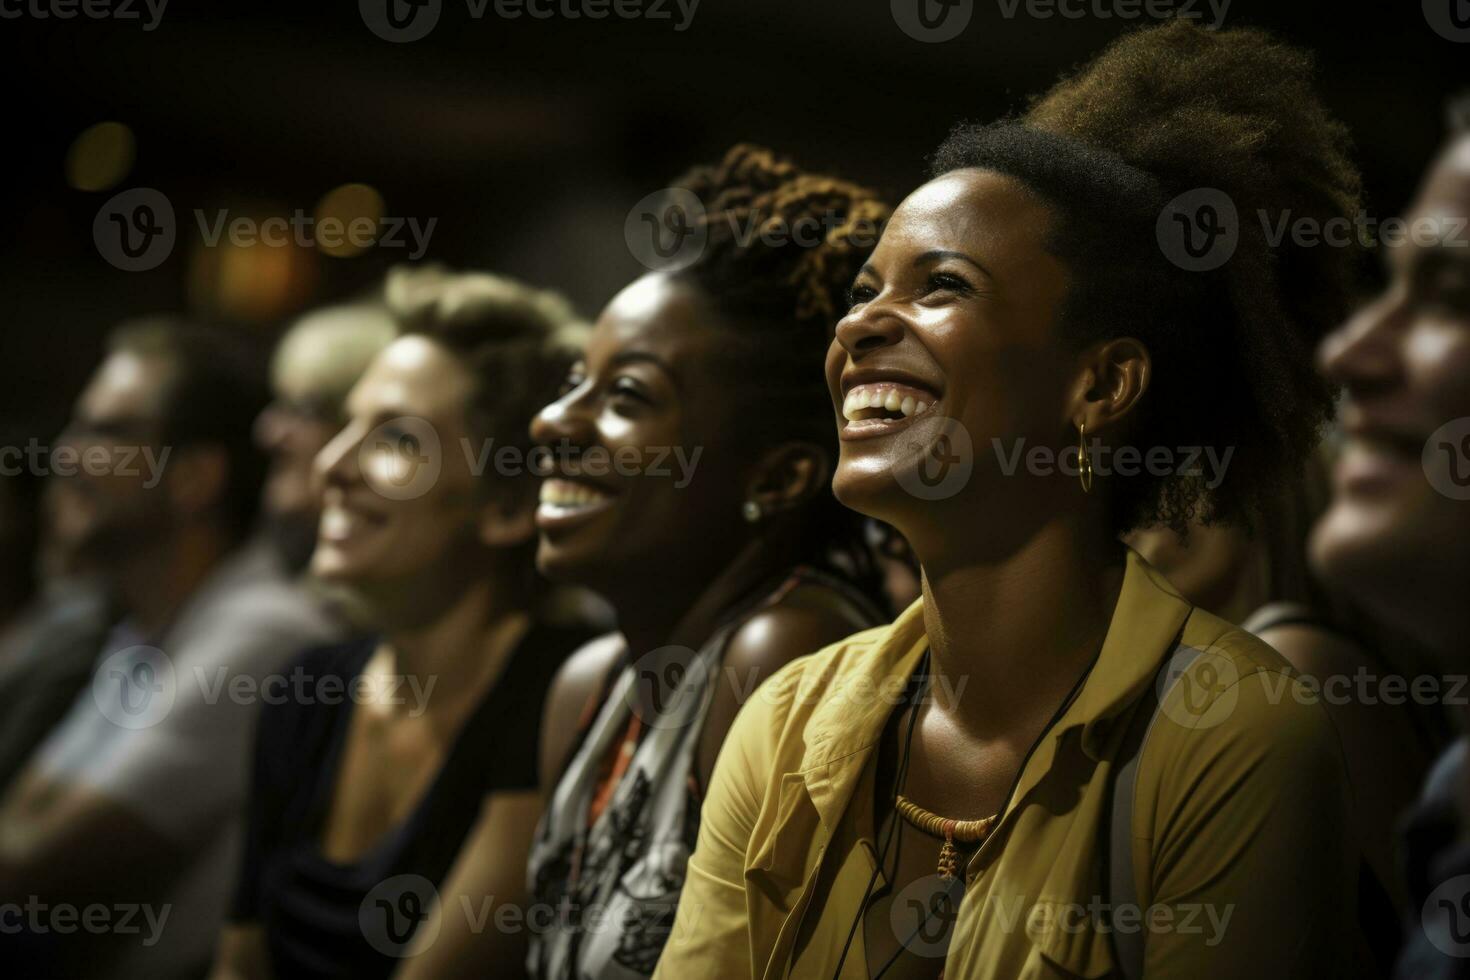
pixel 751 511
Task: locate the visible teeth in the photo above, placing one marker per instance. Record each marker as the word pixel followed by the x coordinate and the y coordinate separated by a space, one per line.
pixel 336 523
pixel 566 493
pixel 861 401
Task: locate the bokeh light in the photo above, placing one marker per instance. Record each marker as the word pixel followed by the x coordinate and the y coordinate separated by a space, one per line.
pixel 100 157
pixel 356 210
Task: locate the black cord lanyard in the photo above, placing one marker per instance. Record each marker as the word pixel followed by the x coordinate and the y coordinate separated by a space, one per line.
pixel 919 690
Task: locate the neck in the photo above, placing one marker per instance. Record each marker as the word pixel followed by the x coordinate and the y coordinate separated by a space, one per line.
pixel 445 642
pixel 460 651
pixel 152 586
pixel 684 610
pixel 1015 633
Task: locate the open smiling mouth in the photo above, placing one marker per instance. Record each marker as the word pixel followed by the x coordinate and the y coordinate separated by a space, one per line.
pixel 882 407
pixel 564 501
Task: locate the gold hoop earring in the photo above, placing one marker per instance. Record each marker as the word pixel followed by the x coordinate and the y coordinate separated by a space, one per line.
pixel 1084 461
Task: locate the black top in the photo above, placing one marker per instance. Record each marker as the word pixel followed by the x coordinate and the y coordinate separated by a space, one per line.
pixel 324 919
pixel 1437 872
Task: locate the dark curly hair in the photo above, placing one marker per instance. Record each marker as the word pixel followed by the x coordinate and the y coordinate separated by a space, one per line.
pixel 1162 112
pixel 782 246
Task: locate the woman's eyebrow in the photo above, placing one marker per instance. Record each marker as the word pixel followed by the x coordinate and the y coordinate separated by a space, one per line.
pixel 939 254
pixel 644 357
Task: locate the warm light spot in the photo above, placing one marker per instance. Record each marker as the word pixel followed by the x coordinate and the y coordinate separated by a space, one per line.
pixel 100 157
pixel 346 220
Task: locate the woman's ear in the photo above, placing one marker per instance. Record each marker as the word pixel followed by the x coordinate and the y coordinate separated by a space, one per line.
pixel 1111 379
pixel 507 522
pixel 787 476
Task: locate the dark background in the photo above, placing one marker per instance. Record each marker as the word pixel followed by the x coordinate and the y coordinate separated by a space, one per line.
pixel 529 140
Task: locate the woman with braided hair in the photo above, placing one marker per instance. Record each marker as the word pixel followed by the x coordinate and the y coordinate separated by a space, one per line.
pixel 1085 776
pixel 715 538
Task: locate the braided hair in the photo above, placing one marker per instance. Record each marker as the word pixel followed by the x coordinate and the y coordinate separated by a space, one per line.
pixel 782 246
pixel 1163 113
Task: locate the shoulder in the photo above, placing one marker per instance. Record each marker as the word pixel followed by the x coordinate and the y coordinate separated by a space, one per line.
pixel 578 680
pixel 582 674
pixel 253 617
pixel 785 702
pixel 1240 712
pixel 808 619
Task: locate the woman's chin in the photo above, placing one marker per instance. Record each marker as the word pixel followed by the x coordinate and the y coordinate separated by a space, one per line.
pixel 869 490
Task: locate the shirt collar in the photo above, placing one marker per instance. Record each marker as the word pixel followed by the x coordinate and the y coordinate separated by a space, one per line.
pixel 863 686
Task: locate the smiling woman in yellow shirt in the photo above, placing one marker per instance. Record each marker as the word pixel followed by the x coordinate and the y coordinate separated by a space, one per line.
pixel 1020 379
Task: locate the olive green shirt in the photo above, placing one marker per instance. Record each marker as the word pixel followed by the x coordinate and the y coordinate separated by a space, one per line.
pixel 1244 858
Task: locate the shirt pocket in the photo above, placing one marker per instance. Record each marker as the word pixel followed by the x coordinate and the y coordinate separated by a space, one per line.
pixel 1071 939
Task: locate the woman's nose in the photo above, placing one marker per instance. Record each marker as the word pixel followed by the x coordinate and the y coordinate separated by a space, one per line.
pixel 869 326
